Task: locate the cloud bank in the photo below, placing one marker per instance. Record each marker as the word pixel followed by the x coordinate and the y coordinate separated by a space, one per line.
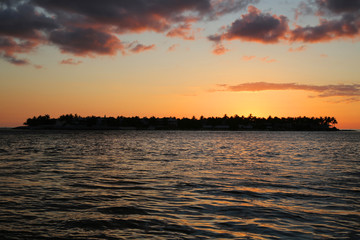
pixel 92 28
pixel 337 20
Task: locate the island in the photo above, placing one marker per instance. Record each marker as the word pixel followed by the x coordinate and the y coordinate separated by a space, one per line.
pixel 233 123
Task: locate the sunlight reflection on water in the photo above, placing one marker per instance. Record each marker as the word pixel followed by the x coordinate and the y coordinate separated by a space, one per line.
pixel 173 184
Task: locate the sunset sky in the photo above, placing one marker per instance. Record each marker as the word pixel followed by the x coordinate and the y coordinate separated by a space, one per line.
pixel 180 58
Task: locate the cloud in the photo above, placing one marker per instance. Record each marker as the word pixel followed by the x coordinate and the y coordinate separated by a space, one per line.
pixel 327 30
pixel 9 47
pixel 338 19
pixel 137 47
pixel 140 15
pixel 24 22
pixel 339 90
pixel 304 9
pixel 38 66
pixel 91 28
pixel 14 60
pixel 86 42
pixel 223 7
pixel 173 47
pixel 219 49
pixel 268 60
pixel 70 61
pixel 255 26
pixel 134 15
pixel 248 58
pixel 336 6
pixel 183 31
pixel 298 49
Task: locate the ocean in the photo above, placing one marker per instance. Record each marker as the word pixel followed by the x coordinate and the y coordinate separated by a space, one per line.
pixel 179 185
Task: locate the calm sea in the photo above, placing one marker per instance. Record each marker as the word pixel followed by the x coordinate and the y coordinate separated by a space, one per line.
pixel 179 185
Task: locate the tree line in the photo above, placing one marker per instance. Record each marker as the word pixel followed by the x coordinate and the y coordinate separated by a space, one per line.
pixel 70 121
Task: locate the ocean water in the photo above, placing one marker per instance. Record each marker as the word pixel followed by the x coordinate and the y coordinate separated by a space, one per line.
pixel 179 185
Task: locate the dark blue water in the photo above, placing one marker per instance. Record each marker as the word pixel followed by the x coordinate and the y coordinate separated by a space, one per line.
pixel 179 185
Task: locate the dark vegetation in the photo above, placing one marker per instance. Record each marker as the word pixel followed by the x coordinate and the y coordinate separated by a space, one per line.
pixel 70 121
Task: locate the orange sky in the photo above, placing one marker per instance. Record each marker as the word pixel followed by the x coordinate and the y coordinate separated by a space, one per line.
pixel 184 59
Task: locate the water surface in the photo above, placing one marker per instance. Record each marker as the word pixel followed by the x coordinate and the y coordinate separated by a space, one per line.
pixel 179 185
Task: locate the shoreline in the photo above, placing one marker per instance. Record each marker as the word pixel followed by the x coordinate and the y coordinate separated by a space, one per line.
pixel 171 129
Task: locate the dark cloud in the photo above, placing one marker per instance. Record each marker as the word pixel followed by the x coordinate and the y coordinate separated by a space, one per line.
pixel 255 26
pixel 339 90
pixel 222 7
pixel 338 19
pixel 9 48
pixel 21 30
pixel 14 60
pixel 132 15
pixel 24 22
pixel 90 28
pixel 346 27
pixel 339 6
pixel 141 15
pixel 86 42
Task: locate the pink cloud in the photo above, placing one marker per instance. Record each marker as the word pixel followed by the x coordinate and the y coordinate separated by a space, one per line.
pixel 298 49
pixel 173 47
pixel 219 49
pixel 70 61
pixel 38 66
pixel 339 90
pixel 248 58
pixel 266 59
pixel 183 31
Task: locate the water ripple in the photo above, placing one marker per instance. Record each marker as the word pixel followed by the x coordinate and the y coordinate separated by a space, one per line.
pixel 179 185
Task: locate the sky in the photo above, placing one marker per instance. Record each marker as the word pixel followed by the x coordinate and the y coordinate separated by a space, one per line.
pixel 180 58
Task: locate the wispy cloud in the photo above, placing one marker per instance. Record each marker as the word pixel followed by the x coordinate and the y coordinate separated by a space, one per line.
pixel 298 49
pixel 268 60
pixel 173 47
pixel 70 61
pixel 138 47
pixel 38 66
pixel 248 58
pixel 340 90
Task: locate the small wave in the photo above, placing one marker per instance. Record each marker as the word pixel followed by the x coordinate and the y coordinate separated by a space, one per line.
pixel 123 210
pixel 150 225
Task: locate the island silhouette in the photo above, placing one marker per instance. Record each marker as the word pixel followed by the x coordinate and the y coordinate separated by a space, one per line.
pixel 234 123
